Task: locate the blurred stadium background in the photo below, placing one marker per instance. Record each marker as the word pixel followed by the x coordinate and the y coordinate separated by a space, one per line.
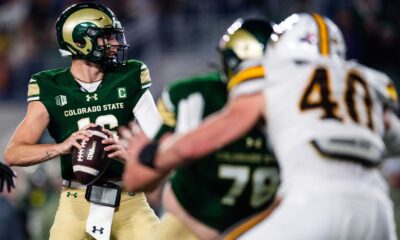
pixel 175 38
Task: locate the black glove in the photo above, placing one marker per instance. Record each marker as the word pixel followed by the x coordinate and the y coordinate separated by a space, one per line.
pixel 6 176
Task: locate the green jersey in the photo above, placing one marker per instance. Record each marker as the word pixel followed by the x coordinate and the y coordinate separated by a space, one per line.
pixel 230 184
pixel 70 107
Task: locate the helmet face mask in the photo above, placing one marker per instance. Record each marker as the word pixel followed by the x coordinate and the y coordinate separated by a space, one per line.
pixel 244 40
pixel 112 46
pixel 91 31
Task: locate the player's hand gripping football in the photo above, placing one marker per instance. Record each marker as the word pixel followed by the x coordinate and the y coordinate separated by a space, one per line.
pixel 71 142
pixel 114 148
pixel 7 176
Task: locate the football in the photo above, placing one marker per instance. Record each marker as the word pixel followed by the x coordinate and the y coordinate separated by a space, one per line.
pixel 89 162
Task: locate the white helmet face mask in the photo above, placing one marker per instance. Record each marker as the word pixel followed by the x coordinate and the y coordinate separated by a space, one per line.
pixel 307 36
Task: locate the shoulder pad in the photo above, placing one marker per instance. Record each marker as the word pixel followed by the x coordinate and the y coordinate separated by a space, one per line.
pixel 248 70
pixel 380 82
pixel 140 73
pixel 166 109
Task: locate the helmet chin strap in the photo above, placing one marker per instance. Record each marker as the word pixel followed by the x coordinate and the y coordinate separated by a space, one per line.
pixel 64 53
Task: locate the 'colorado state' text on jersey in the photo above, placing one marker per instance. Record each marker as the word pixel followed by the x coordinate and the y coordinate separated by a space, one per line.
pixel 231 183
pixel 70 107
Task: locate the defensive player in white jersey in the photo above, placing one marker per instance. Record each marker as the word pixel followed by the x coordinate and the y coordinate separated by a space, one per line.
pixel 327 119
pixel 326 124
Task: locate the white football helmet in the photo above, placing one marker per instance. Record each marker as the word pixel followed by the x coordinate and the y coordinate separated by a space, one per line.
pixel 307 36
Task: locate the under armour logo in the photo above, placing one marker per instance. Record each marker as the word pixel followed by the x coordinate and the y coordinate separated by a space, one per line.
pixel 93 97
pixel 75 195
pixel 95 229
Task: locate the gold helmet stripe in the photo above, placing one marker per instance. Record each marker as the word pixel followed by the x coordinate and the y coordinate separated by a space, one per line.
pixel 323 34
pixel 246 74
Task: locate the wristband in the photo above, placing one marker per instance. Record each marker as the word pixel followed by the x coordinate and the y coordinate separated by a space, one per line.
pixel 148 154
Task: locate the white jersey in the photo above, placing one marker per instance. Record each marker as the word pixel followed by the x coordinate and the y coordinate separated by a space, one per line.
pixel 325 124
pixel 325 121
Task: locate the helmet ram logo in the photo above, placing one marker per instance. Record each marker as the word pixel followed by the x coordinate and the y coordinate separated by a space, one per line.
pixel 245 45
pixel 244 40
pixel 87 16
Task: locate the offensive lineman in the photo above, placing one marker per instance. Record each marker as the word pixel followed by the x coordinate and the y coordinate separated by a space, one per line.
pixel 203 199
pixel 101 88
pixel 327 119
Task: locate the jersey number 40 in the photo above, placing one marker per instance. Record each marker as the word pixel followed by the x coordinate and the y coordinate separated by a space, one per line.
pixel 320 85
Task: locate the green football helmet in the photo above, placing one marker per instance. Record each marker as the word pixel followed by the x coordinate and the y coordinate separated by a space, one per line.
pixel 244 40
pixel 92 32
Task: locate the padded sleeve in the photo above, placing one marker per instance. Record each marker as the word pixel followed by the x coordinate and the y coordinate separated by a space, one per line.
pixel 147 115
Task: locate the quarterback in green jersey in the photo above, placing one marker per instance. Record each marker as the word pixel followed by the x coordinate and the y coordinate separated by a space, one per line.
pixel 208 196
pixel 100 88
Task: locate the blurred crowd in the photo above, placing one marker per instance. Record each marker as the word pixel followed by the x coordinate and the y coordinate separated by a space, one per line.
pixel 156 29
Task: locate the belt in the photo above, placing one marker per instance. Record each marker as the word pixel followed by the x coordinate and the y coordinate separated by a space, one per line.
pixel 75 184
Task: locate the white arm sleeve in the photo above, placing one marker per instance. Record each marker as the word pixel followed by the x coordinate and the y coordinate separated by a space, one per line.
pixel 147 115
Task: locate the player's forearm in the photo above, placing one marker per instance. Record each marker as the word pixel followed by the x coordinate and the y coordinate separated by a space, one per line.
pixel 218 130
pixel 27 155
pixel 214 134
pixel 180 150
pixel 140 178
